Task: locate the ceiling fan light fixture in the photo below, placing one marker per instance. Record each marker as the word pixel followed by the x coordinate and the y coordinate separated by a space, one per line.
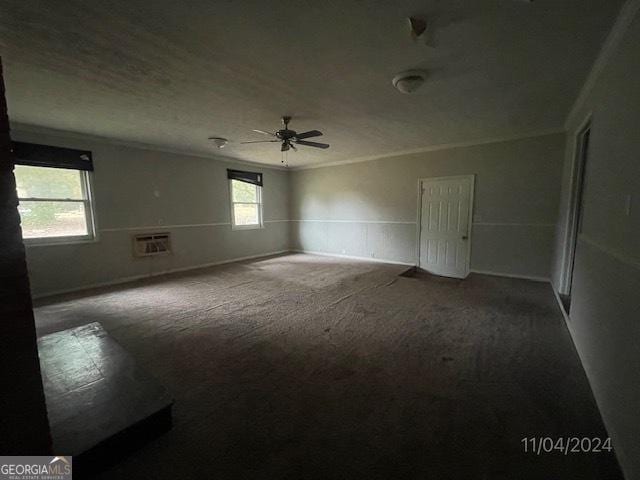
pixel 409 81
pixel 290 139
pixel 418 26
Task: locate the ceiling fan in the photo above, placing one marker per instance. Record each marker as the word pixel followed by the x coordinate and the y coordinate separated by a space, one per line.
pixel 290 138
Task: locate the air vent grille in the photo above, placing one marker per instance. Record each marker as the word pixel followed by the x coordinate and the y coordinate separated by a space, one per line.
pixel 152 244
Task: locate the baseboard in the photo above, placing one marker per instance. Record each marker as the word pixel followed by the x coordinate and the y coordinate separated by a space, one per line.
pixel 561 306
pixel 352 257
pixel 133 278
pixel 382 260
pixel 585 367
pixel 513 275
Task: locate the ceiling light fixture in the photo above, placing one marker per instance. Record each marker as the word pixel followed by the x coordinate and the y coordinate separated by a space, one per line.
pixel 219 141
pixel 409 81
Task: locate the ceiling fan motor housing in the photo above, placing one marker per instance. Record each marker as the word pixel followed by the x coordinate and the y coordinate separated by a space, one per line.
pixel 291 138
pixel 286 134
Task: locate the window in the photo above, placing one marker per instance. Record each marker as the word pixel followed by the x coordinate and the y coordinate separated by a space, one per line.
pixel 246 199
pixel 54 200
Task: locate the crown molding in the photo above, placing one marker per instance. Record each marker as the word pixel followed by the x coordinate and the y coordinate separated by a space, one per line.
pixel 626 16
pixel 433 148
pixel 35 129
pixel 18 127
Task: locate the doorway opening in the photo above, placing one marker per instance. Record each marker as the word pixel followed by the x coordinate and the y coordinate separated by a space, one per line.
pixel 576 207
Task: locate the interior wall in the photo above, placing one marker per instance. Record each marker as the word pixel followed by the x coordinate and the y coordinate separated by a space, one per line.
pixel 369 209
pixel 24 427
pixel 604 307
pixel 141 191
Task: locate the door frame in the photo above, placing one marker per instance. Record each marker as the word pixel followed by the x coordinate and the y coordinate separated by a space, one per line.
pixel 472 179
pixel 576 187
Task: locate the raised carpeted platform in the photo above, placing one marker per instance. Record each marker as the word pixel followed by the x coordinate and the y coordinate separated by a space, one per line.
pixel 101 405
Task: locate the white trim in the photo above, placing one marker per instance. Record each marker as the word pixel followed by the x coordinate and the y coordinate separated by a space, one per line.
pixel 258 202
pixel 51 242
pixel 621 257
pixel 18 128
pixel 133 278
pixel 542 225
pixel 88 205
pixel 251 226
pixel 620 27
pixel 156 227
pixel 512 275
pixel 91 208
pixel 472 181
pixel 193 225
pixel 69 200
pixel 400 222
pixel 433 148
pixel 418 223
pixel 353 257
pixel 356 221
pixel 394 262
pixel 577 173
pixel 378 222
pixel 567 319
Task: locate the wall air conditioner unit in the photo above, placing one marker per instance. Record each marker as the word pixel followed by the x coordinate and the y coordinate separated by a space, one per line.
pixel 151 244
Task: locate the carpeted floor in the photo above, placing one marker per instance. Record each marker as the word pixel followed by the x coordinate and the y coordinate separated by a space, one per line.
pixel 307 367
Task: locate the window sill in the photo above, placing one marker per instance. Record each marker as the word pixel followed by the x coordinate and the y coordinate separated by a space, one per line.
pixel 247 227
pixel 53 241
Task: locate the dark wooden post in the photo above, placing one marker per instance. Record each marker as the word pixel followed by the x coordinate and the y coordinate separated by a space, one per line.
pixel 24 428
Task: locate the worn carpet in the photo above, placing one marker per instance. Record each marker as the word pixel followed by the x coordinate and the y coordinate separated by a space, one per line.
pixel 308 367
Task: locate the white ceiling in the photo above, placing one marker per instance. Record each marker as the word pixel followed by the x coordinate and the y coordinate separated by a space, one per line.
pixel 171 74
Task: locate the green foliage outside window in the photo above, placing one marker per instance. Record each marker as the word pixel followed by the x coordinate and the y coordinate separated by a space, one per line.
pixel 42 213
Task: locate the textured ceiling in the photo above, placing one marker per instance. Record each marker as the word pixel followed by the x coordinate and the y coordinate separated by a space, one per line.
pixel 171 73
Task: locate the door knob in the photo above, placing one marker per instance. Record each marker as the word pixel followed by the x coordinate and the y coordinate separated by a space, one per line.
pixel 464 237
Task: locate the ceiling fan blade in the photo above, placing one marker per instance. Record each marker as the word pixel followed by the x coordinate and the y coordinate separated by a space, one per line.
pixel 312 144
pixel 262 141
pixel 265 133
pixel 309 134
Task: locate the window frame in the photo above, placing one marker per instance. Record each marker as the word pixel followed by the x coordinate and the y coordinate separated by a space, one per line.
pixel 86 183
pixel 259 203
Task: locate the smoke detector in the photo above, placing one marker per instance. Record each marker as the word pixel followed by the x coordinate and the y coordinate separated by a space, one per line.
pixel 219 141
pixel 409 81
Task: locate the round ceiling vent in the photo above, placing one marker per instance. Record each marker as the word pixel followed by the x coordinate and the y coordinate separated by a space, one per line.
pixel 409 81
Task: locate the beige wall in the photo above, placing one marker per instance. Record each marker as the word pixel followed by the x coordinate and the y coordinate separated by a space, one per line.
pixel 369 209
pixel 605 310
pixel 137 188
pixel 363 209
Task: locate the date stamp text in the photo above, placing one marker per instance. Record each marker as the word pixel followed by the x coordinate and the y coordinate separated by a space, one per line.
pixel 565 445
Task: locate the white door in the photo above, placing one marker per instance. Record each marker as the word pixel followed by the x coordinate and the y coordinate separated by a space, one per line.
pixel 445 233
